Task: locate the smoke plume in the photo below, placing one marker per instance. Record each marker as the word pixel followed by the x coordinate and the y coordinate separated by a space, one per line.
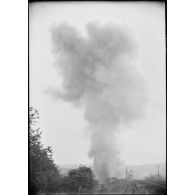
pixel 99 76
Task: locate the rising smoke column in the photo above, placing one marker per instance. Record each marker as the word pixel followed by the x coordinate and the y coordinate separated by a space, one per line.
pixel 99 76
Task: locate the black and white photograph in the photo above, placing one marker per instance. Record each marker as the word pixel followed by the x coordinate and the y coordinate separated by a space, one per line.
pixel 97 98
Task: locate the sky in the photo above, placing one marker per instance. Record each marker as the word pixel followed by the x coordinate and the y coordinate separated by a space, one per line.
pixel 62 124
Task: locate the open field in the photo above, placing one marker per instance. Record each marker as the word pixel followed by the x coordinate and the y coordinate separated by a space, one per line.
pixel 133 187
pixel 145 187
pixel 136 187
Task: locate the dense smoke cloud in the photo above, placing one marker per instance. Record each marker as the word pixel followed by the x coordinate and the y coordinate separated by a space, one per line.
pixel 99 75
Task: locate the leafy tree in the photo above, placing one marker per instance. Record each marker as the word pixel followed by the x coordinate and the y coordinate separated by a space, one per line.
pixel 79 180
pixel 44 175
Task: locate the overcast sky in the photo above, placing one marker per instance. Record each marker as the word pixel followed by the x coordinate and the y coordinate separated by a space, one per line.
pixel 62 124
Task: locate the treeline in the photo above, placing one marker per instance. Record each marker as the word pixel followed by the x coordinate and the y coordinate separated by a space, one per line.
pixel 44 176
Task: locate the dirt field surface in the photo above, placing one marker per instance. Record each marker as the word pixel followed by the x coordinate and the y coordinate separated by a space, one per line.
pixel 137 187
pixel 143 187
pixel 132 187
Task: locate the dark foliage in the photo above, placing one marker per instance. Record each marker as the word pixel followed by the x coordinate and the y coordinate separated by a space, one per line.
pixel 44 175
pixel 79 180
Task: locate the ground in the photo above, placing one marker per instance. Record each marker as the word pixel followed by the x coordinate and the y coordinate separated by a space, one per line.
pixel 136 187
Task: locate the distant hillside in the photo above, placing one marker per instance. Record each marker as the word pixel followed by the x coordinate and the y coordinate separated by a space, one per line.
pixel 64 168
pixel 139 171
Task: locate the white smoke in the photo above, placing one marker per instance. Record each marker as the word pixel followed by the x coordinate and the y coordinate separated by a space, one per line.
pixel 99 75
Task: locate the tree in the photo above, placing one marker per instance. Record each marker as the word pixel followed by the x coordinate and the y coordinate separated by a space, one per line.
pixel 79 180
pixel 44 175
